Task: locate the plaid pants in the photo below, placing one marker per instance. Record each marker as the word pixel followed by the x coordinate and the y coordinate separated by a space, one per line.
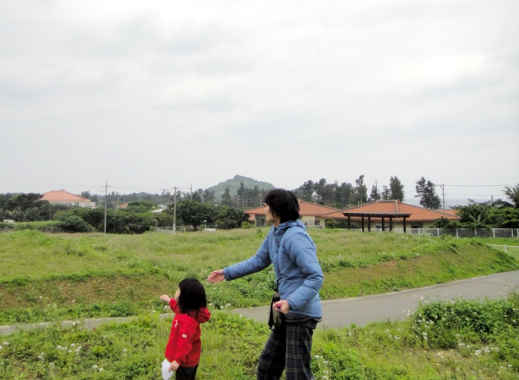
pixel 289 346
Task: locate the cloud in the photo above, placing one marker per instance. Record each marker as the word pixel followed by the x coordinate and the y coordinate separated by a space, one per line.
pixel 170 93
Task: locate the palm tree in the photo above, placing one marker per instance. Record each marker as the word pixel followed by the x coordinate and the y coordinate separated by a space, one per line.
pixel 513 194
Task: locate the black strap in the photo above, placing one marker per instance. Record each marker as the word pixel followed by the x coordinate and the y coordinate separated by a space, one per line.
pixel 273 321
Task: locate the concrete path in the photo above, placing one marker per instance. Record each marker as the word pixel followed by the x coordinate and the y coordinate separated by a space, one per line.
pixel 360 310
pixel 398 305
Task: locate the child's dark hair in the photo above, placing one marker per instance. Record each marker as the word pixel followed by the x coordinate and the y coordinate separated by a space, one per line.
pixel 283 204
pixel 192 295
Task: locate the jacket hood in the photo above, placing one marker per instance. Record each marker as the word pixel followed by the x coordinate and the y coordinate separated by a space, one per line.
pixel 291 223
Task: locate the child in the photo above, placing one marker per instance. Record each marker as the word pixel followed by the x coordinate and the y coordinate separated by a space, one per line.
pixel 183 348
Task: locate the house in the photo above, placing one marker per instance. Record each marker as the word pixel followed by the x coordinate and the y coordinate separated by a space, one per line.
pixel 312 214
pixel 387 214
pixel 62 197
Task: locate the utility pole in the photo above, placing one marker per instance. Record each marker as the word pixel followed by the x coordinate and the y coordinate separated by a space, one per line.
pixel 106 195
pixel 175 210
pixel 443 195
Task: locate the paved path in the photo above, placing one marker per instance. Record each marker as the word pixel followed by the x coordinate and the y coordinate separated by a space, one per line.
pixel 398 305
pixel 360 310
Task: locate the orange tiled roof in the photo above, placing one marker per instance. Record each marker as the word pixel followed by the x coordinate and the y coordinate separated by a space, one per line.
pixel 418 214
pixel 62 196
pixel 305 209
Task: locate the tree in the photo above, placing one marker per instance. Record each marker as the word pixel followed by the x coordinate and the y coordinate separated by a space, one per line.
pixel 374 195
pixel 197 195
pixel 425 191
pixel 306 190
pixel 226 198
pixel 86 194
pixel 360 192
pixel 208 196
pixel 386 193
pixel 345 191
pixel 397 189
pixel 228 217
pixel 513 194
pixel 195 213
pixel 475 215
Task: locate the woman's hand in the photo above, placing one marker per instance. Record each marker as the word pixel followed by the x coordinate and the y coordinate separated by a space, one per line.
pixel 282 306
pixel 174 366
pixel 165 298
pixel 216 276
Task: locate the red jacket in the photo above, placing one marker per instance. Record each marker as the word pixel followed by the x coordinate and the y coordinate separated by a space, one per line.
pixel 184 339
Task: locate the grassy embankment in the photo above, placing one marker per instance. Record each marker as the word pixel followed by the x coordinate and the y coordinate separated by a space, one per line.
pixel 464 340
pixel 64 276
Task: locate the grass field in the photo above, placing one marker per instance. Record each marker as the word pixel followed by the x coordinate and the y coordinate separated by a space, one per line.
pixel 63 276
pixel 472 341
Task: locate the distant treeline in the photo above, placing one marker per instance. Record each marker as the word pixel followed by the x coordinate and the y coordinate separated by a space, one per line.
pixel 331 194
pixel 201 206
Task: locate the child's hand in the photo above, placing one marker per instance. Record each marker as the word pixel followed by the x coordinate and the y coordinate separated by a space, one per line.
pixel 282 306
pixel 174 366
pixel 165 298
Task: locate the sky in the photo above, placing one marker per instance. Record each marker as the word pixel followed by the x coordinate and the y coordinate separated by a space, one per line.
pixel 151 95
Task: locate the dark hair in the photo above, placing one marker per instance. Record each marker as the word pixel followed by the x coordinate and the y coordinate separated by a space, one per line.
pixel 192 295
pixel 283 204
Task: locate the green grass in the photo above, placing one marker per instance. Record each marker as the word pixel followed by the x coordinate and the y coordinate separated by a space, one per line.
pixel 63 276
pixel 498 241
pixel 232 344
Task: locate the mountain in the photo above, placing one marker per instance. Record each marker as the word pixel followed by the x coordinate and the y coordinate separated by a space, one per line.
pixel 234 184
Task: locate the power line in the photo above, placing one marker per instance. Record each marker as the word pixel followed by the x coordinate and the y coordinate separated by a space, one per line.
pixel 472 185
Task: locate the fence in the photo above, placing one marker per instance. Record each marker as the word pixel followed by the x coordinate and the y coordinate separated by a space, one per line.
pixel 467 232
pixel 512 250
pixel 185 228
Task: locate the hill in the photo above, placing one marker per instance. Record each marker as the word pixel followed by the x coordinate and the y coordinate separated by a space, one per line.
pixel 234 184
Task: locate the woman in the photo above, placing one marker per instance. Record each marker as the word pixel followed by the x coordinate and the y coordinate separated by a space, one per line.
pixel 298 277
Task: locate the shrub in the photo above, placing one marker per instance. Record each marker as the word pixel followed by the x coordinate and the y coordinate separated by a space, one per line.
pixel 73 223
pixel 120 221
pixel 439 325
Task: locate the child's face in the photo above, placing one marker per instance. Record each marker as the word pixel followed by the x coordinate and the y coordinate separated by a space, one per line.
pixel 177 294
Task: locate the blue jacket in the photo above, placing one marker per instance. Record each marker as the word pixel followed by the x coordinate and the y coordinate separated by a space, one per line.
pixel 298 273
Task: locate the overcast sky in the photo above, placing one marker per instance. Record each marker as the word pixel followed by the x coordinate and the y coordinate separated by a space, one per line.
pixel 191 93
